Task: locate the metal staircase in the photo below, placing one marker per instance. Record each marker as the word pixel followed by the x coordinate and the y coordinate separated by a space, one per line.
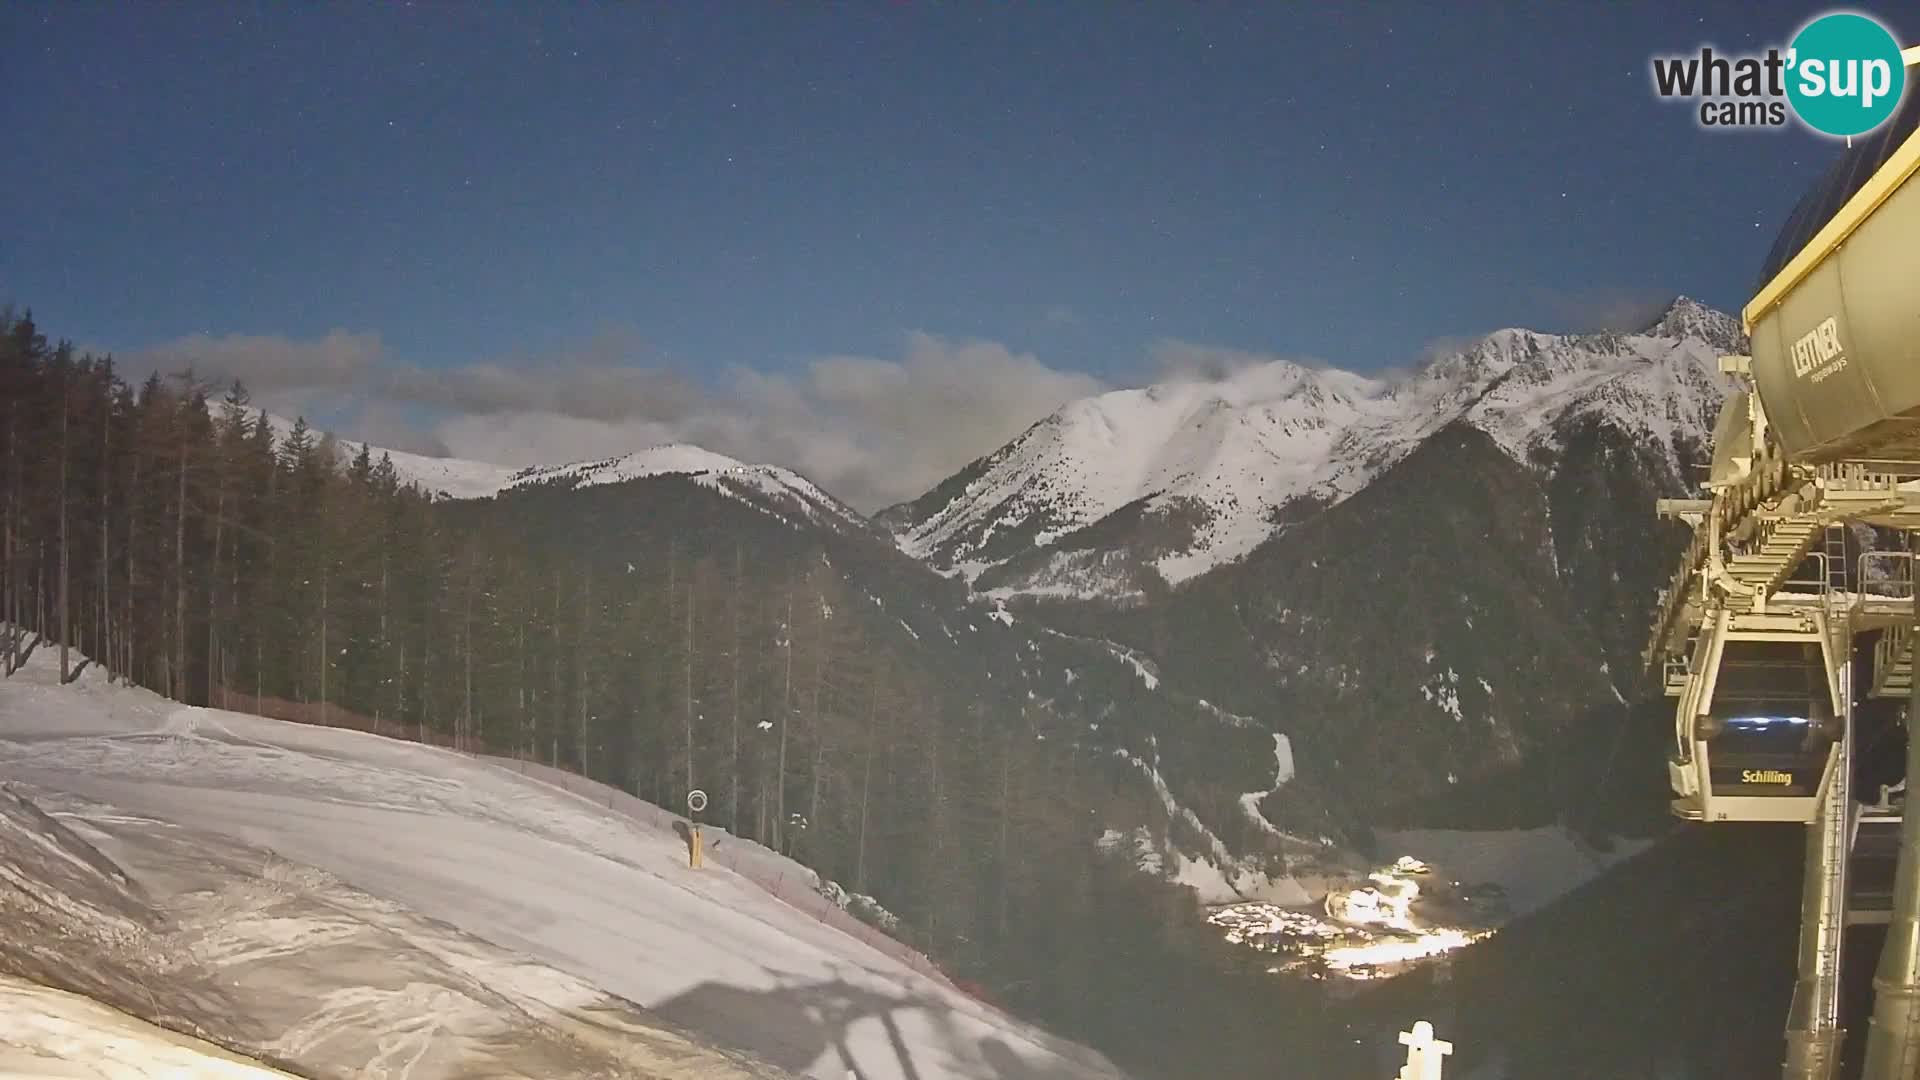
pixel 1893 663
pixel 1874 854
pixel 1785 546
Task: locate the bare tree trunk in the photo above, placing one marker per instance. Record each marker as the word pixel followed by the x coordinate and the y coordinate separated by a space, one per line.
pixel 129 636
pixel 672 594
pixel 400 689
pixel 814 727
pixel 426 677
pixel 400 683
pixel 40 621
pixel 326 659
pixel 177 678
pixel 380 698
pixel 9 613
pixel 936 823
pixel 813 796
pixel 10 602
pixel 213 578
pixel 786 718
pixel 557 709
pixel 692 587
pixel 467 643
pixel 66 626
pixel 261 627
pixel 1006 800
pixel 233 600
pixel 106 536
pixel 580 653
pixel 761 833
pixel 733 800
pixel 866 787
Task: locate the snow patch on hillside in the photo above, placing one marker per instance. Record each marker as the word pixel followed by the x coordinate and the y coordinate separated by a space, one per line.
pixel 1443 692
pixel 1222 715
pixel 1282 772
pixel 1132 659
pixel 1067 575
pixel 1215 874
pixel 455 478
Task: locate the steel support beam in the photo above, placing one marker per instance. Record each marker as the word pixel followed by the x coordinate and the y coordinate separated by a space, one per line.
pixel 1813 1022
pixel 1893 1034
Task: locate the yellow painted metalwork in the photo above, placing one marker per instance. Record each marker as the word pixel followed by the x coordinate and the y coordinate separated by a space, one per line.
pixel 1898 169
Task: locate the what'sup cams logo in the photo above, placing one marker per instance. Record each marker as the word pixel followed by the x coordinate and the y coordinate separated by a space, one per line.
pixel 1842 75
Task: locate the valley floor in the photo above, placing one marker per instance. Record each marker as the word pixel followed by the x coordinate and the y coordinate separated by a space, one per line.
pixel 354 905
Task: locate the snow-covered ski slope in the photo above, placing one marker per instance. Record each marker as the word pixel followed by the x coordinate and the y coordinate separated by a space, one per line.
pixel 193 932
pixel 46 1033
pixel 554 900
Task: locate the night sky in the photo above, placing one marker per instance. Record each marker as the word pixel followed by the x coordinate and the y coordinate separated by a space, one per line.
pixel 762 183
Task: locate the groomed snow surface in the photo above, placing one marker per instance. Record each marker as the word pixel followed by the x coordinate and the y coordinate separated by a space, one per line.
pixel 428 890
pixel 47 1033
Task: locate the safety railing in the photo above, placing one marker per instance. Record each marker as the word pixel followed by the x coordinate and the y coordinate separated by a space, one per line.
pixel 1810 578
pixel 1864 475
pixel 1677 671
pixel 1892 656
pixel 1887 575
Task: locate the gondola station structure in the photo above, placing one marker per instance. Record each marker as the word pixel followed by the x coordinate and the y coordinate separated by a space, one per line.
pixel 1788 628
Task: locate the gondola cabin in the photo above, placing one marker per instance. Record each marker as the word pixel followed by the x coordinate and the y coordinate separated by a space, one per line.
pixel 1757 728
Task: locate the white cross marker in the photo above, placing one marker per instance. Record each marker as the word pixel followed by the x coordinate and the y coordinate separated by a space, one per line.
pixel 1423 1053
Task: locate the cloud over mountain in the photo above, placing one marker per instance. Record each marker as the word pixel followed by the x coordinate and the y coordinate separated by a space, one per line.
pixel 872 430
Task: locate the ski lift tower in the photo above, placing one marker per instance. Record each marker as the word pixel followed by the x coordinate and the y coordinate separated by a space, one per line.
pixel 1757 633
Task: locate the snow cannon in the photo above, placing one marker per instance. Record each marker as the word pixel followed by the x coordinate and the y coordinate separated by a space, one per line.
pixel 1835 323
pixel 1757 731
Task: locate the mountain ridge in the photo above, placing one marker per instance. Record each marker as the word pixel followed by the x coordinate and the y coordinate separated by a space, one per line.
pixel 1213 469
pixel 1592 427
pixel 1179 476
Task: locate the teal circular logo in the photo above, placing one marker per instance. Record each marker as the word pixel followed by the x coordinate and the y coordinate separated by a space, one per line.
pixel 1844 75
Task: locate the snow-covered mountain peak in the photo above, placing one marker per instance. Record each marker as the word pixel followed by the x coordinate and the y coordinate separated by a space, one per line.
pixel 1689 318
pixel 770 489
pixel 1269 383
pixel 663 460
pixel 1216 462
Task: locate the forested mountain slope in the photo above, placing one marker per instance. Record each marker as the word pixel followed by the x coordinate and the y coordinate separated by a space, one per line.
pixel 1437 625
